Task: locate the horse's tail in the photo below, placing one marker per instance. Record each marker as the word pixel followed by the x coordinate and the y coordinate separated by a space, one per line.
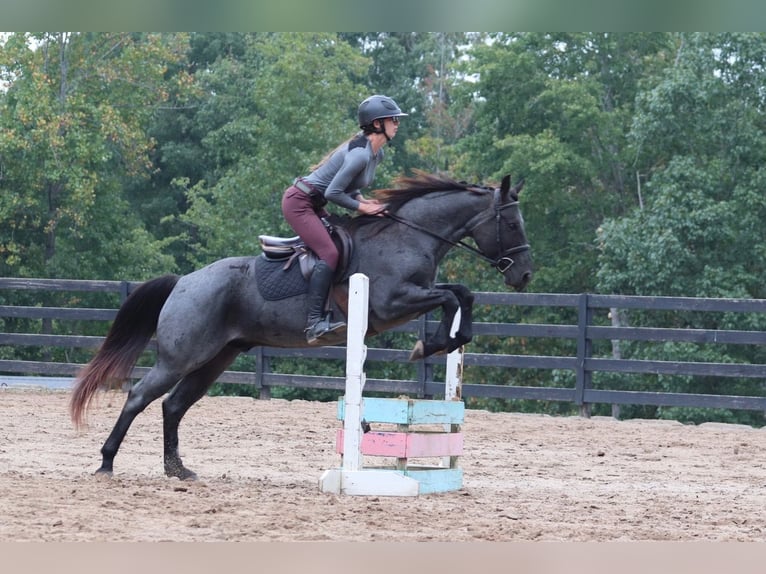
pixel 128 336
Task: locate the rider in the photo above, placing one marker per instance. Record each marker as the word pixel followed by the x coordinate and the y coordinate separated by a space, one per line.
pixel 338 178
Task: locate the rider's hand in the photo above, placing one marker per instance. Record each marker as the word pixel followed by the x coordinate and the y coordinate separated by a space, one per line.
pixel 371 207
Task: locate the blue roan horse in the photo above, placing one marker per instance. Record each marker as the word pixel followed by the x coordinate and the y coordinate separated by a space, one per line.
pixel 203 320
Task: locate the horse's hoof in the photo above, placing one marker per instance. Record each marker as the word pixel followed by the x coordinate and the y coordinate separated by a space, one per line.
pixel 181 473
pixel 103 474
pixel 188 475
pixel 417 351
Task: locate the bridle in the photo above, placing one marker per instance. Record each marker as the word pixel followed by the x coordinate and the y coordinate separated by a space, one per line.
pixel 503 262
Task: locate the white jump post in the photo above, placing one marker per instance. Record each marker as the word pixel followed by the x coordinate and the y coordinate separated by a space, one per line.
pixel 352 478
pixel 454 376
pixel 356 354
pixel 453 381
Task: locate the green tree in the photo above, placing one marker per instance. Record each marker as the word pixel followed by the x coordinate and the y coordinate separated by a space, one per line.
pixel 72 129
pixel 179 159
pixel 555 108
pixel 698 139
pixel 271 113
pixel 420 70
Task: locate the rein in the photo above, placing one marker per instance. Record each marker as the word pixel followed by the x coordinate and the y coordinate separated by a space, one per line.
pixel 503 261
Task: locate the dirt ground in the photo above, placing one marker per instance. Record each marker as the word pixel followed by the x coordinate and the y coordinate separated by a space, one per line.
pixel 527 478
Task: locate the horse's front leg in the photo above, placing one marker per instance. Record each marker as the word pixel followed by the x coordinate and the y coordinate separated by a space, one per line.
pixel 439 342
pixel 464 333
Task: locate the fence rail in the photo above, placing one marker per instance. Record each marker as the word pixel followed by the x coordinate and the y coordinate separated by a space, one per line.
pixel 583 332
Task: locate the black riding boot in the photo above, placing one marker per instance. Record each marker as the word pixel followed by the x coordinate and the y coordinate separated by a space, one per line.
pixel 319 323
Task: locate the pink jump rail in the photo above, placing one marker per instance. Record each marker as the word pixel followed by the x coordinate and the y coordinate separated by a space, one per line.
pixel 407 444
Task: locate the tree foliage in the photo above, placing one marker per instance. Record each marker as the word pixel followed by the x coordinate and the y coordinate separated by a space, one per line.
pixel 268 111
pixel 72 130
pixel 696 137
pixel 123 155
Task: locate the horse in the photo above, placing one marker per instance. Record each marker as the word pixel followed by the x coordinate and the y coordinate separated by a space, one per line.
pixel 203 320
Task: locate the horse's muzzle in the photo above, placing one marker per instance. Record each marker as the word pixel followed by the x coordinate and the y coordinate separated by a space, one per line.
pixel 521 284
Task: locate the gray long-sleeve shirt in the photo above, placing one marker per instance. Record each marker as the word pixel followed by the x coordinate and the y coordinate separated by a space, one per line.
pixel 349 168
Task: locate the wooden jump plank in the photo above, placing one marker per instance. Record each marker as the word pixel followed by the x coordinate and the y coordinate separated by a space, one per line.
pixel 407 444
pixel 392 482
pixel 432 480
pixel 409 411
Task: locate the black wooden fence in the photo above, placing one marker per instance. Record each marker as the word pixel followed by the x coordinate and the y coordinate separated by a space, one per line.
pixel 581 364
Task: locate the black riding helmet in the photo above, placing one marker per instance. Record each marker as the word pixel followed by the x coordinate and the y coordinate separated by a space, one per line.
pixel 375 108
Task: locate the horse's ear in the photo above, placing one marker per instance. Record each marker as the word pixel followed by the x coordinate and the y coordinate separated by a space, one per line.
pixel 507 191
pixel 505 185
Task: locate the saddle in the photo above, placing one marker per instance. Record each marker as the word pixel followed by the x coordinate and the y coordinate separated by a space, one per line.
pixel 293 249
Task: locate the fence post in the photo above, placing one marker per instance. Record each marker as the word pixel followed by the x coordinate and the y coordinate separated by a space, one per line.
pixel 584 350
pixel 124 291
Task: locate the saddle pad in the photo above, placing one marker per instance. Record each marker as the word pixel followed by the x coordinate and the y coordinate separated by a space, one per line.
pixel 275 283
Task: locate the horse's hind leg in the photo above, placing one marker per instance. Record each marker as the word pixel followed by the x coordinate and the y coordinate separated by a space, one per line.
pixel 157 382
pixel 191 389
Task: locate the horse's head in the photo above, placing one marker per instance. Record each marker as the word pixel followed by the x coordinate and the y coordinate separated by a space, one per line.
pixel 501 237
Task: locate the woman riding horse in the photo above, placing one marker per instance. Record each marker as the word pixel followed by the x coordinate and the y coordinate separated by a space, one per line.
pixel 203 320
pixel 338 178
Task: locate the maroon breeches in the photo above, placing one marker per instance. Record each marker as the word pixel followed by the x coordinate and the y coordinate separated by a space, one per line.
pixel 305 221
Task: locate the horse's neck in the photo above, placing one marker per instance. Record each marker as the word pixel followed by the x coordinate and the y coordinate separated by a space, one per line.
pixel 450 215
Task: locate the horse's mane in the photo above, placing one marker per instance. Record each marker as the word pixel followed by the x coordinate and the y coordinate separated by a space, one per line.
pixel 411 187
pixel 418 185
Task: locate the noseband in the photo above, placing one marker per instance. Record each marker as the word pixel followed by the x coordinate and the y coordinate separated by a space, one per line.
pixel 503 262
